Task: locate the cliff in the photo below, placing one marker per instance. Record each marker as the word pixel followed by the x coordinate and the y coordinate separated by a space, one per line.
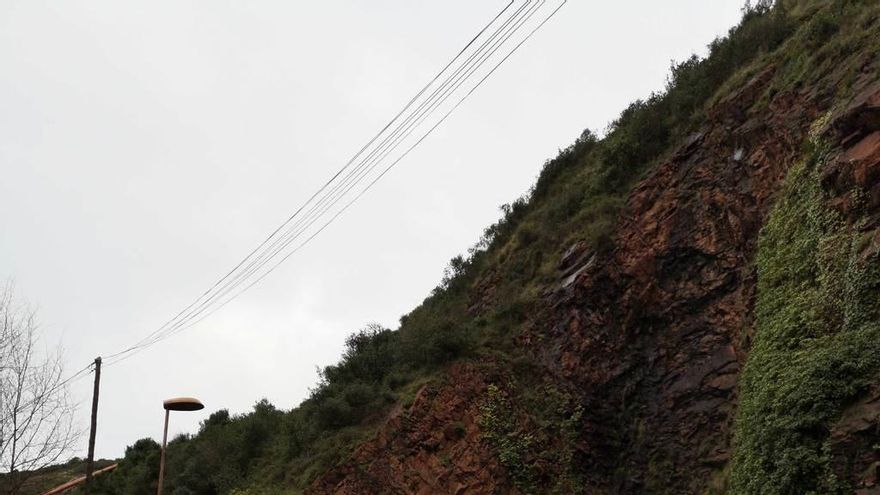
pixel 649 336
pixel 687 305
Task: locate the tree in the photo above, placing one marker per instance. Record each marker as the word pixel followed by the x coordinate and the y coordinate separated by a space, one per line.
pixel 761 6
pixel 36 413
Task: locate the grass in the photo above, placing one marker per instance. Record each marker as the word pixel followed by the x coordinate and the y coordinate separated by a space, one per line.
pixel 47 478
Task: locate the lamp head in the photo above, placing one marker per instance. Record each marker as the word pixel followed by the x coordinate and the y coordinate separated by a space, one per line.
pixel 183 404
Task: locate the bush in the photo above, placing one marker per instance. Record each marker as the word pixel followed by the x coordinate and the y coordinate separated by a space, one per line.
pixel 821 28
pixel 333 412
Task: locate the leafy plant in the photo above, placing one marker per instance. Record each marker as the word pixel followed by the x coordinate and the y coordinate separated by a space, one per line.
pixel 817 343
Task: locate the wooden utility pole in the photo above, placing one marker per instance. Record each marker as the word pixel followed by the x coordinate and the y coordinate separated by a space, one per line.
pixel 90 461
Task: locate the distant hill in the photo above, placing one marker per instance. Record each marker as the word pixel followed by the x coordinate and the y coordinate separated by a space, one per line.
pixel 45 479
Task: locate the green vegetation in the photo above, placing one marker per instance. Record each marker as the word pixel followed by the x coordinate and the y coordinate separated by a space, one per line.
pixel 47 478
pixel 512 444
pixel 817 343
pixel 535 436
pixel 808 358
pixel 837 41
pixel 379 367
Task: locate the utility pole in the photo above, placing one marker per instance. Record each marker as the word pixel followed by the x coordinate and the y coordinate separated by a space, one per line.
pixel 90 461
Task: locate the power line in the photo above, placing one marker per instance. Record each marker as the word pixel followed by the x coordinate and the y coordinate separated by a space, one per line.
pixel 353 177
pixel 356 175
pixel 323 187
pixel 375 180
pixel 287 233
pixel 274 245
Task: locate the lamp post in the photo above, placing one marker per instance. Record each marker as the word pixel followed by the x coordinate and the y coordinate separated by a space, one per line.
pixel 176 404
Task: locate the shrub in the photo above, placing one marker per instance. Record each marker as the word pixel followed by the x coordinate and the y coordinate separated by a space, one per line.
pixel 512 445
pixel 822 27
pixel 333 412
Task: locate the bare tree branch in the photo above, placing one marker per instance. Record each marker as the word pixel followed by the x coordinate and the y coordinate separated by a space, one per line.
pixel 36 413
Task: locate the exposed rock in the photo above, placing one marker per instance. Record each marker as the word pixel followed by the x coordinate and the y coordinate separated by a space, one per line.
pixel 483 293
pixel 574 257
pixel 734 108
pixel 855 443
pixel 572 276
pixel 654 335
pixel 852 177
pixel 738 154
pixel 434 446
pixel 860 117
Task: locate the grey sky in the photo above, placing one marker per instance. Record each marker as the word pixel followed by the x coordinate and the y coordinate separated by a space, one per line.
pixel 146 147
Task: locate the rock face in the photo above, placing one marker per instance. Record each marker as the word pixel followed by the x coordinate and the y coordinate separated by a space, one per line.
pixel 433 446
pixel 855 137
pixel 856 134
pixel 657 332
pixel 654 333
pixel 853 444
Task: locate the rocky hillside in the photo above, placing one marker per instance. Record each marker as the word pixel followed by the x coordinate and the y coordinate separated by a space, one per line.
pixel 687 305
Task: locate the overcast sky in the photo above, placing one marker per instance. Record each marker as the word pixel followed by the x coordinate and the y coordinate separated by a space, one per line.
pixel 146 147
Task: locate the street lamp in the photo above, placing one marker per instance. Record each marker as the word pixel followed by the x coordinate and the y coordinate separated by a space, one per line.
pixel 176 404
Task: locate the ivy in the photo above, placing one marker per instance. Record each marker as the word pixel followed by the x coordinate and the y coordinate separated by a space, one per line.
pixel 512 445
pixel 817 342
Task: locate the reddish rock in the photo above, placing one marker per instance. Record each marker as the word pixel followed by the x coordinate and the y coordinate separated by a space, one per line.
pixel 433 447
pixel 483 293
pixel 854 443
pixel 654 335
